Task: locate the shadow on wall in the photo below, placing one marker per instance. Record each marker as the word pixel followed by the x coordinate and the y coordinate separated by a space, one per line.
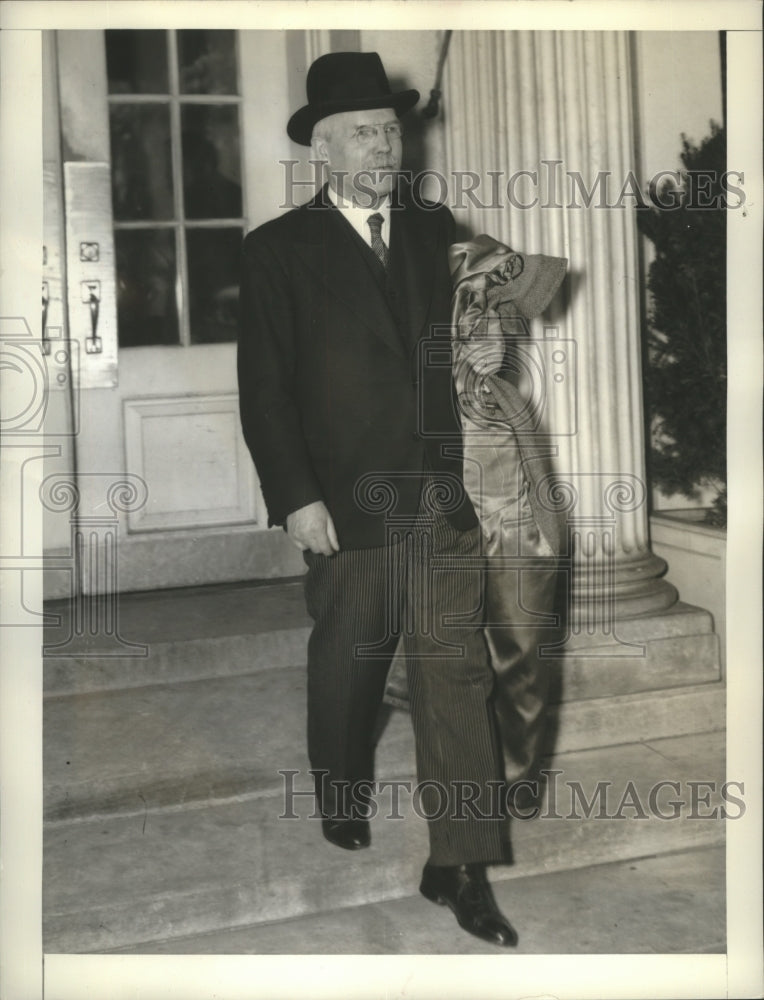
pixel 416 128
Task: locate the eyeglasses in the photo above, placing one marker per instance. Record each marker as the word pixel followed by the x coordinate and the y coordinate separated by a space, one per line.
pixel 367 133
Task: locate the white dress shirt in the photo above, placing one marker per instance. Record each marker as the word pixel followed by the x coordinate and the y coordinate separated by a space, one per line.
pixel 357 216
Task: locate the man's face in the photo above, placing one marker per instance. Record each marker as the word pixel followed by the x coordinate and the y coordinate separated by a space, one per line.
pixel 363 151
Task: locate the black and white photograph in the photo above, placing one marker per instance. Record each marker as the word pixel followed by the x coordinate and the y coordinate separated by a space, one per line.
pixel 381 551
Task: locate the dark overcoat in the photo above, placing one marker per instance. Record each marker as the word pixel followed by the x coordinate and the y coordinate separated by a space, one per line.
pixel 345 383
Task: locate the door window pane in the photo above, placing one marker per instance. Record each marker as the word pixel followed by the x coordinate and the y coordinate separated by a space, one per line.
pixel 136 62
pixel 207 62
pixel 146 269
pixel 213 274
pixel 141 168
pixel 211 161
pixel 174 113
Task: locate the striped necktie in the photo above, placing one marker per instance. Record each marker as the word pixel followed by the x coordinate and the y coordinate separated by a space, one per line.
pixel 377 243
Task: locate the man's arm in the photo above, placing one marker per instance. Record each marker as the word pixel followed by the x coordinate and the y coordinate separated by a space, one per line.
pixel 267 401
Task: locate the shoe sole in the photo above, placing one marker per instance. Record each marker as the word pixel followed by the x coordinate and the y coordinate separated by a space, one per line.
pixel 435 897
pixel 347 847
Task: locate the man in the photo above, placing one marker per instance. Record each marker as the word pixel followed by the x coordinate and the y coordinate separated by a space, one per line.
pixel 353 428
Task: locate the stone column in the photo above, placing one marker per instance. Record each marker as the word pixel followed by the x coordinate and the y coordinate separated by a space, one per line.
pixel 562 112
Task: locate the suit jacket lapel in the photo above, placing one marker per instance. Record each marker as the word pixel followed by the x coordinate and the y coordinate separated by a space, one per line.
pixel 413 249
pixel 327 245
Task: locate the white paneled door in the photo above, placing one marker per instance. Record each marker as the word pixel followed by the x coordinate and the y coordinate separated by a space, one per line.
pixel 150 156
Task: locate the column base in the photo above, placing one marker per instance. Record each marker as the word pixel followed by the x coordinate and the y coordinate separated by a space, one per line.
pixel 661 676
pixel 671 647
pixel 604 592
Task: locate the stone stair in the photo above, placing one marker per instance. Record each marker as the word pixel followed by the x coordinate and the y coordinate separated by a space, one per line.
pixel 663 904
pixel 163 792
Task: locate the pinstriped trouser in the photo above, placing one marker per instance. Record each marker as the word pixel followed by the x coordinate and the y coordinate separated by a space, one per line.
pixel 427 585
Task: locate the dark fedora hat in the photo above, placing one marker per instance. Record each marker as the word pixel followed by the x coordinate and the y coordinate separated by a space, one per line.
pixel 345 81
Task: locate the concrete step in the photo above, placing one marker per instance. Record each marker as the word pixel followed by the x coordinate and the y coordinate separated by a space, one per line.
pixel 149 875
pixel 165 744
pixel 193 633
pixel 175 635
pixel 668 904
pixel 675 648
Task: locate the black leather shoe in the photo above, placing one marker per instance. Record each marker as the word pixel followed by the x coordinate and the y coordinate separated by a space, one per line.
pixel 466 890
pixel 352 834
